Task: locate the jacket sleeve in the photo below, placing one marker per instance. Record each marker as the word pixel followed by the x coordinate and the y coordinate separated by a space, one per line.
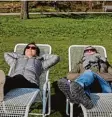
pixel 11 57
pixel 49 60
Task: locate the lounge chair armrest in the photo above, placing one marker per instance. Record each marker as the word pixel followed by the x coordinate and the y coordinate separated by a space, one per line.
pixel 46 96
pixel 45 86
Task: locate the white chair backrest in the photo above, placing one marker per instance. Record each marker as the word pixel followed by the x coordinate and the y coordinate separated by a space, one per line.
pixel 44 49
pixel 75 53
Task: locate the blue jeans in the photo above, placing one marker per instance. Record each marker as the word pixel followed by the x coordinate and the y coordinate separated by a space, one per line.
pixel 87 78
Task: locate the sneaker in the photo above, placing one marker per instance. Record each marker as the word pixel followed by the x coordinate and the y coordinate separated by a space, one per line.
pixel 64 86
pixel 2 82
pixel 79 95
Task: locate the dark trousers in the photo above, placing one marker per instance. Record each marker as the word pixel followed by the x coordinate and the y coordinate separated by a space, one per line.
pixel 17 81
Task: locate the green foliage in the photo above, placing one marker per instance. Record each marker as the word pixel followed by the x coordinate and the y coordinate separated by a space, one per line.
pixel 59 32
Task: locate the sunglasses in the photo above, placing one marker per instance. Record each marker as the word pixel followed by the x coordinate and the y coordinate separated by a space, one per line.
pixel 92 50
pixel 32 47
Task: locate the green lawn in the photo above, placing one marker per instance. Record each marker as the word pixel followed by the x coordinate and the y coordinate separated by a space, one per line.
pixel 60 33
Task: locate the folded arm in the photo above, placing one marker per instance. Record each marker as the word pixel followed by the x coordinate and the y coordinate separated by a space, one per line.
pixel 11 57
pixel 49 60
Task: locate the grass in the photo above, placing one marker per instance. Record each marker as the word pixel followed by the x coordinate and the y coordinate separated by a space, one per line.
pixel 60 33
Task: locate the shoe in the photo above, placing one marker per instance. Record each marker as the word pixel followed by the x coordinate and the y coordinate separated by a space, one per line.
pixel 64 86
pixel 2 82
pixel 79 95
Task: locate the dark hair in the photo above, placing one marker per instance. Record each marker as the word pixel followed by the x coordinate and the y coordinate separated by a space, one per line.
pixel 37 48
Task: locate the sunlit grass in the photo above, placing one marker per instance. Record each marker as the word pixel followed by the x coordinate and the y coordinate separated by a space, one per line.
pixel 59 32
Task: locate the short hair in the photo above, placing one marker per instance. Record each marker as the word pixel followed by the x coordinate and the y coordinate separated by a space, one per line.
pixel 37 48
pixel 90 47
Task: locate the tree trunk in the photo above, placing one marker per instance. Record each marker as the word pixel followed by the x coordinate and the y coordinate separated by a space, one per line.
pixel 90 5
pixel 24 10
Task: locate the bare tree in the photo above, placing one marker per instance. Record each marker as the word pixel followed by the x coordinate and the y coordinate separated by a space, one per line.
pixel 24 10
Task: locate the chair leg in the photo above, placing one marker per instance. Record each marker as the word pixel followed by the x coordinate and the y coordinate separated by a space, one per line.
pixel 71 109
pixel 49 99
pixel 67 106
pixel 45 99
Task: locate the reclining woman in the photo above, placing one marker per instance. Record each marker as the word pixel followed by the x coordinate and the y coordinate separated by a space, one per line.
pixel 26 69
pixel 87 77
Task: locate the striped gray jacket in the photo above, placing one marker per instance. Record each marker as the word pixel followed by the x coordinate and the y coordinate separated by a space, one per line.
pixel 30 68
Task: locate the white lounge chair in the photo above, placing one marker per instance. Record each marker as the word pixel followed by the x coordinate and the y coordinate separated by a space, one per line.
pixel 17 102
pixel 102 101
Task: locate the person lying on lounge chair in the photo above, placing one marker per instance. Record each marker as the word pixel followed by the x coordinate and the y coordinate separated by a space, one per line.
pixel 26 69
pixel 87 77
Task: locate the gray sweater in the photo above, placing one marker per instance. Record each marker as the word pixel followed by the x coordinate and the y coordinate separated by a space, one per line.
pixel 30 68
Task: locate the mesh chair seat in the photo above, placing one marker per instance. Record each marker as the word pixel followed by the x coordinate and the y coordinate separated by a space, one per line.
pixel 17 101
pixel 102 105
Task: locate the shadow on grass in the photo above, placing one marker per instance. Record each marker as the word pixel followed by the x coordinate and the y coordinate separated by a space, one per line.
pixel 58 103
pixel 72 15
